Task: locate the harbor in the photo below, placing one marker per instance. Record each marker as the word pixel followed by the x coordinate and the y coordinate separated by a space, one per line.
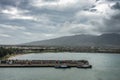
pixel 46 63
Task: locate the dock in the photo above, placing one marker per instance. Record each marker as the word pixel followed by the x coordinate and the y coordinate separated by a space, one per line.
pixel 46 63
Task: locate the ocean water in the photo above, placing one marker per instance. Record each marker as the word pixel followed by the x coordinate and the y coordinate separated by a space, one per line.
pixel 105 67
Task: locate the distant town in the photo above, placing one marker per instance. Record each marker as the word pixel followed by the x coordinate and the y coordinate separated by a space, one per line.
pixel 7 50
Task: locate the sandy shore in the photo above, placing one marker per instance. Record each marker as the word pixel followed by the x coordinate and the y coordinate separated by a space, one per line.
pixel 13 55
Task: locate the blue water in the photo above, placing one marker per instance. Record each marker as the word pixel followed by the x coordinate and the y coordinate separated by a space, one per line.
pixel 105 67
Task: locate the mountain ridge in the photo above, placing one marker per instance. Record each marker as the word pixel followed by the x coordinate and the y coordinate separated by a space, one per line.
pixel 108 40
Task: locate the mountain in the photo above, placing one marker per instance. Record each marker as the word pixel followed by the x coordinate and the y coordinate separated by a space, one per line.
pixel 106 40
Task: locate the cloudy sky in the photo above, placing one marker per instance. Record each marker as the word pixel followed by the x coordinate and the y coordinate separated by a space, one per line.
pixel 31 20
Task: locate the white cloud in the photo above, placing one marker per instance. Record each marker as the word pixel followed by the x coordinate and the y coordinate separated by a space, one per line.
pixel 23 17
pixel 41 3
pixel 77 28
pixel 15 13
pixel 60 5
pixel 4 35
pixel 12 27
pixel 88 15
pixel 27 33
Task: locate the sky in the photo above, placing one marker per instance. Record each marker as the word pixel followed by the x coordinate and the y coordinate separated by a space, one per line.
pixel 24 21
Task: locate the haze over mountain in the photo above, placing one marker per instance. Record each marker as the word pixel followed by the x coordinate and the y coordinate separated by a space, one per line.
pixel 108 40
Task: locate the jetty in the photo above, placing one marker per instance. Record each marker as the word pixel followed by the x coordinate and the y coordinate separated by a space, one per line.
pixel 46 63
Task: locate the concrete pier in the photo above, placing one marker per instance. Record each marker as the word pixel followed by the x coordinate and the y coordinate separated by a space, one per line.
pixel 46 63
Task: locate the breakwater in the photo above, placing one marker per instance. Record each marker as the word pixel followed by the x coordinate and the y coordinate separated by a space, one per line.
pixel 46 63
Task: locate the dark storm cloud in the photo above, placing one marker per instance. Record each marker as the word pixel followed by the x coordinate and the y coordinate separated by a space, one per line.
pixel 116 6
pixel 8 3
pixel 113 0
pixel 22 4
pixel 112 24
pixel 109 22
pixel 13 3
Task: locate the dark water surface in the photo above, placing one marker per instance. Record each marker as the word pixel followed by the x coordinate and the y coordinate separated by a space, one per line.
pixel 105 67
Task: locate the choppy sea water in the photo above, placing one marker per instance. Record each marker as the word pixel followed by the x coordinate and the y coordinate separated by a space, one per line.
pixel 105 67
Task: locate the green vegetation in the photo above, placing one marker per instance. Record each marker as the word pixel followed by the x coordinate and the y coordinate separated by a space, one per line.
pixel 4 52
pixel 7 52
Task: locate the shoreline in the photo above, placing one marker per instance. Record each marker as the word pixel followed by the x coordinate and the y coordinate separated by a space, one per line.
pixel 8 57
pixel 12 56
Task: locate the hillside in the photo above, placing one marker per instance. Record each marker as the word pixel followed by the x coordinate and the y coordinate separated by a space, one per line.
pixel 109 40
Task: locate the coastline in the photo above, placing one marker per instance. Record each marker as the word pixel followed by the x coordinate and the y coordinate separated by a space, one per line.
pixel 11 56
pixel 8 57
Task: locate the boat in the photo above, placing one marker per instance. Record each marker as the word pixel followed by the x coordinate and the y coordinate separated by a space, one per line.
pixel 86 66
pixel 62 66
